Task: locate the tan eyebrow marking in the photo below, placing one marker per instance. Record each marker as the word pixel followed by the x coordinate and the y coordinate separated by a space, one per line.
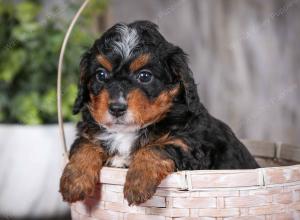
pixel 139 62
pixel 104 62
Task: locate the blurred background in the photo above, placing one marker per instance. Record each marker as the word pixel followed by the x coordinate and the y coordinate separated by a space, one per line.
pixel 244 54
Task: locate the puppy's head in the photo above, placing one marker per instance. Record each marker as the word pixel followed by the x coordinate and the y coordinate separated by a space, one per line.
pixel 131 77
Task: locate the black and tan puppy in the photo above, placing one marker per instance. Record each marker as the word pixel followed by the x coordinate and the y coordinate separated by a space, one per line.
pixel 141 110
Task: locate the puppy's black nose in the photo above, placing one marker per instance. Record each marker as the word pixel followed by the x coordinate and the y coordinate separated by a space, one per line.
pixel 117 109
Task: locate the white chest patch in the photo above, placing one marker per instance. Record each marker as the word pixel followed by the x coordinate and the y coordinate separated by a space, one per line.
pixel 120 144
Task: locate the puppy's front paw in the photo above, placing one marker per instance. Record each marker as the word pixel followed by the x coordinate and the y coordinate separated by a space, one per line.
pixel 139 188
pixel 75 184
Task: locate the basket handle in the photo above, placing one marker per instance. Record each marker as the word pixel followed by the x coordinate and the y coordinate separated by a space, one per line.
pixel 59 73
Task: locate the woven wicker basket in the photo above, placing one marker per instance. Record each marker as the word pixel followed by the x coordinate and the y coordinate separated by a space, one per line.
pixel 265 193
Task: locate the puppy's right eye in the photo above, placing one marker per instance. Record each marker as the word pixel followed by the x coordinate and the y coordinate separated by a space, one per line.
pixel 101 74
pixel 144 76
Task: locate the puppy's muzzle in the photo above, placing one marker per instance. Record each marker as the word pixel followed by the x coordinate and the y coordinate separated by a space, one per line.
pixel 117 109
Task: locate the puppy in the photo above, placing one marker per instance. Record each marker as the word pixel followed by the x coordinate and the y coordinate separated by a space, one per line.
pixel 141 111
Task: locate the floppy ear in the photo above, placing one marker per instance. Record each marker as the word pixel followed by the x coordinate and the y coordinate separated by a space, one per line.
pixel 178 65
pixel 82 95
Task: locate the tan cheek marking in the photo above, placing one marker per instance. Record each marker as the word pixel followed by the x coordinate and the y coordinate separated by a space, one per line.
pixel 104 62
pixel 99 106
pixel 139 62
pixel 146 111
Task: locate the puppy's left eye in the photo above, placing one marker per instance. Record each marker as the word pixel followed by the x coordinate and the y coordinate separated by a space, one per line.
pixel 101 74
pixel 144 76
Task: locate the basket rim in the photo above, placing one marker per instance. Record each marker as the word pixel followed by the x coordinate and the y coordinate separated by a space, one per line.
pixel 225 179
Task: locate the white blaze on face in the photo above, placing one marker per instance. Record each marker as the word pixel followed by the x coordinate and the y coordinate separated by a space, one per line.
pixel 129 40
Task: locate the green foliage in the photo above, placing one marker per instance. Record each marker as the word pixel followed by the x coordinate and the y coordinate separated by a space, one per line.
pixel 29 50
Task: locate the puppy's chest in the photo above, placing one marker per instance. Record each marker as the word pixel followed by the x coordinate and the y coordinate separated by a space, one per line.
pixel 119 146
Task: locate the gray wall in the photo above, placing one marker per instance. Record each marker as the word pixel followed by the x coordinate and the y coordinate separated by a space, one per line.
pixel 245 56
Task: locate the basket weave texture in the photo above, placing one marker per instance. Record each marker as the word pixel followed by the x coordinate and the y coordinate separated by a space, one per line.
pixel 265 194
